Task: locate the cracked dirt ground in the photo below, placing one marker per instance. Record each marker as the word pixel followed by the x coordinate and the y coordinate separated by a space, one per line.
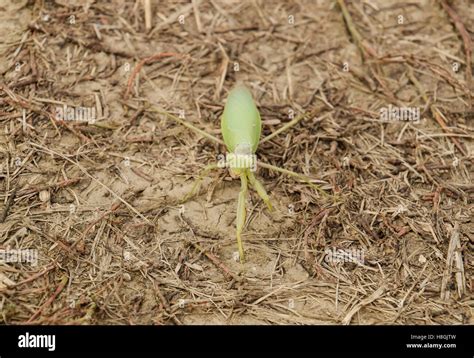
pixel 99 200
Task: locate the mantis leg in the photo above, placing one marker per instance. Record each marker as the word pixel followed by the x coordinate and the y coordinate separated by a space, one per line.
pixel 241 214
pixel 187 124
pixel 286 126
pixel 301 177
pixel 260 189
pixel 198 181
pixel 208 168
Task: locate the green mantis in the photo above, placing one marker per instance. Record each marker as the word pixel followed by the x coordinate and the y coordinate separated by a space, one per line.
pixel 241 128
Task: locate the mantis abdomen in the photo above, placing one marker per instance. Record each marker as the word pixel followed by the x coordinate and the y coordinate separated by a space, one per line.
pixel 241 124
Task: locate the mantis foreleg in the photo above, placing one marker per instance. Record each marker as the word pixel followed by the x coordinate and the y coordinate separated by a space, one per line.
pixel 260 189
pixel 241 214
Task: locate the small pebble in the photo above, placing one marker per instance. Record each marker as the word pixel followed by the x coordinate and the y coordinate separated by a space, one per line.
pixel 422 259
pixel 126 276
pixel 44 196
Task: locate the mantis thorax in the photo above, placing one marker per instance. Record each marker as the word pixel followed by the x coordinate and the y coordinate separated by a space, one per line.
pixel 241 159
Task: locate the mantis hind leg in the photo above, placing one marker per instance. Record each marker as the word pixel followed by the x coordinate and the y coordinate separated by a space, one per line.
pixel 197 183
pixel 260 189
pixel 286 126
pixel 187 124
pixel 241 214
